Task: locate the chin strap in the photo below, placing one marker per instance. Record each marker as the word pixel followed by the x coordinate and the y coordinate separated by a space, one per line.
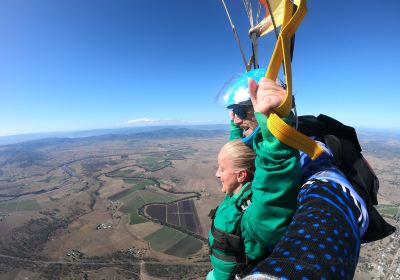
pixel 276 125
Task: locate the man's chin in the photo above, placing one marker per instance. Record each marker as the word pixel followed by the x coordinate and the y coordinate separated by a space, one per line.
pixel 247 132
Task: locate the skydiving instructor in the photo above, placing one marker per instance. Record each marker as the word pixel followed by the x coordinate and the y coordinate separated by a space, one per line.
pixel 332 216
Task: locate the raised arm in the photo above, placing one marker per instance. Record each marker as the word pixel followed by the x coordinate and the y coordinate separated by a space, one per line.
pixel 277 178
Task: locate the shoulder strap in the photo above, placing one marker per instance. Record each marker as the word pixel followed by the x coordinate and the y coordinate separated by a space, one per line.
pixel 244 200
pixel 212 213
pixel 335 146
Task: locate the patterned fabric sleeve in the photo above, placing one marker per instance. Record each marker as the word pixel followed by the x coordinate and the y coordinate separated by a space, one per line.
pixel 323 240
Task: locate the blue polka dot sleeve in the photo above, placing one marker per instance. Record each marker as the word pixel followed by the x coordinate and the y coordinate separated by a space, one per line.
pixel 323 240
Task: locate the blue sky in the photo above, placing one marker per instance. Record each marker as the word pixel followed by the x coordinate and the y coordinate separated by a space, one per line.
pixel 85 64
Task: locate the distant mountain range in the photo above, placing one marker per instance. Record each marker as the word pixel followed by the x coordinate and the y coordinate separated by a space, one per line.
pixel 14 139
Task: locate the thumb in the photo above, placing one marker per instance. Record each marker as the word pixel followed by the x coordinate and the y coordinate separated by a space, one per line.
pixel 253 91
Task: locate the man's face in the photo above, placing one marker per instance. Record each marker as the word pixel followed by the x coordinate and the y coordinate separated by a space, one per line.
pixel 243 116
pixel 226 174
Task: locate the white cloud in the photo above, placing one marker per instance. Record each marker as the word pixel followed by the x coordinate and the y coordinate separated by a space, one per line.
pixel 148 121
pixel 241 94
pixel 140 121
pixel 9 131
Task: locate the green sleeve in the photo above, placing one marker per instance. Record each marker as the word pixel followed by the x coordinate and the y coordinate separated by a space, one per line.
pixel 275 187
pixel 235 132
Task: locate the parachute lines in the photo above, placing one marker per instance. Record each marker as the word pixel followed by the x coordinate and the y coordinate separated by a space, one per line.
pixel 236 36
pixel 249 11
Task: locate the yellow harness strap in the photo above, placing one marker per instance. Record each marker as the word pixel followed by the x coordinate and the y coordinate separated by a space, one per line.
pixel 276 125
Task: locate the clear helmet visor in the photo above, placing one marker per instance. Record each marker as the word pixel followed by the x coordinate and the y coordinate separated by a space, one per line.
pixel 236 90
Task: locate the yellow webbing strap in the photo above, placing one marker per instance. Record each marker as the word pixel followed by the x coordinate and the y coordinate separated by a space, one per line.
pixel 276 125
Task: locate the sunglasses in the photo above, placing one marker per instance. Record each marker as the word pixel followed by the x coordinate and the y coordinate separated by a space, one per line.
pixel 240 111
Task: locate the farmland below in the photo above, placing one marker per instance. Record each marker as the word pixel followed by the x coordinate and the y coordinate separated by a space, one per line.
pixel 135 206
pixel 118 206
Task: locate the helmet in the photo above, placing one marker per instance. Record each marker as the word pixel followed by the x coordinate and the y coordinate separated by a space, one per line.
pixel 236 90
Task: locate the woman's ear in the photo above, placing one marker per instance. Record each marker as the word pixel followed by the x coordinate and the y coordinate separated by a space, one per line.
pixel 241 176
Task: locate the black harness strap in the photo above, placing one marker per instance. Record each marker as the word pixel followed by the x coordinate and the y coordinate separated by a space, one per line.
pixel 225 258
pixel 227 242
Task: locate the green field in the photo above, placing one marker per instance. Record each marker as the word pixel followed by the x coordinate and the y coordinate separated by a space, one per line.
pixel 164 238
pixel 151 196
pixel 20 205
pixel 135 218
pixel 187 246
pixel 388 210
pixel 154 162
pixel 122 194
pixel 138 184
pixel 131 208
pixel 173 242
pixel 135 202
pixel 123 173
pixel 126 173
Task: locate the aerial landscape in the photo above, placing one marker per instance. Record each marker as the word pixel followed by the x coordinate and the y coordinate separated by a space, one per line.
pixel 126 206
pixel 112 115
pixel 136 206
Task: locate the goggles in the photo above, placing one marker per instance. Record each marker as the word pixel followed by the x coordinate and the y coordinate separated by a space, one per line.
pixel 240 111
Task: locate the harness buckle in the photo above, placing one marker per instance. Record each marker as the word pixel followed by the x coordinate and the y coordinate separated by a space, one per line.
pixel 245 204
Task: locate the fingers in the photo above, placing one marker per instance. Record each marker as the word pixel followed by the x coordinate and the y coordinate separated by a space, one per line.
pixel 270 85
pixel 268 96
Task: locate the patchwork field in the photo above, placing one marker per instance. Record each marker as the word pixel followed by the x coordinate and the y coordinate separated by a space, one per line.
pixel 141 192
pixel 89 201
pixel 180 214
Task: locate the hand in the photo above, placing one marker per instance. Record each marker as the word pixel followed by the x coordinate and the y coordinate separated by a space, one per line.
pixel 266 96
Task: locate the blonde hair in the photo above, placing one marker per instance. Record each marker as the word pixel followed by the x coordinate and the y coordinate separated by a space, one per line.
pixel 241 155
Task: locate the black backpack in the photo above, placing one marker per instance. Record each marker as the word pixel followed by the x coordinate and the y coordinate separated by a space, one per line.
pixel 343 142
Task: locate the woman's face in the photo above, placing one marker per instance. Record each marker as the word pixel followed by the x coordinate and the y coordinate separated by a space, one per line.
pixel 227 175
